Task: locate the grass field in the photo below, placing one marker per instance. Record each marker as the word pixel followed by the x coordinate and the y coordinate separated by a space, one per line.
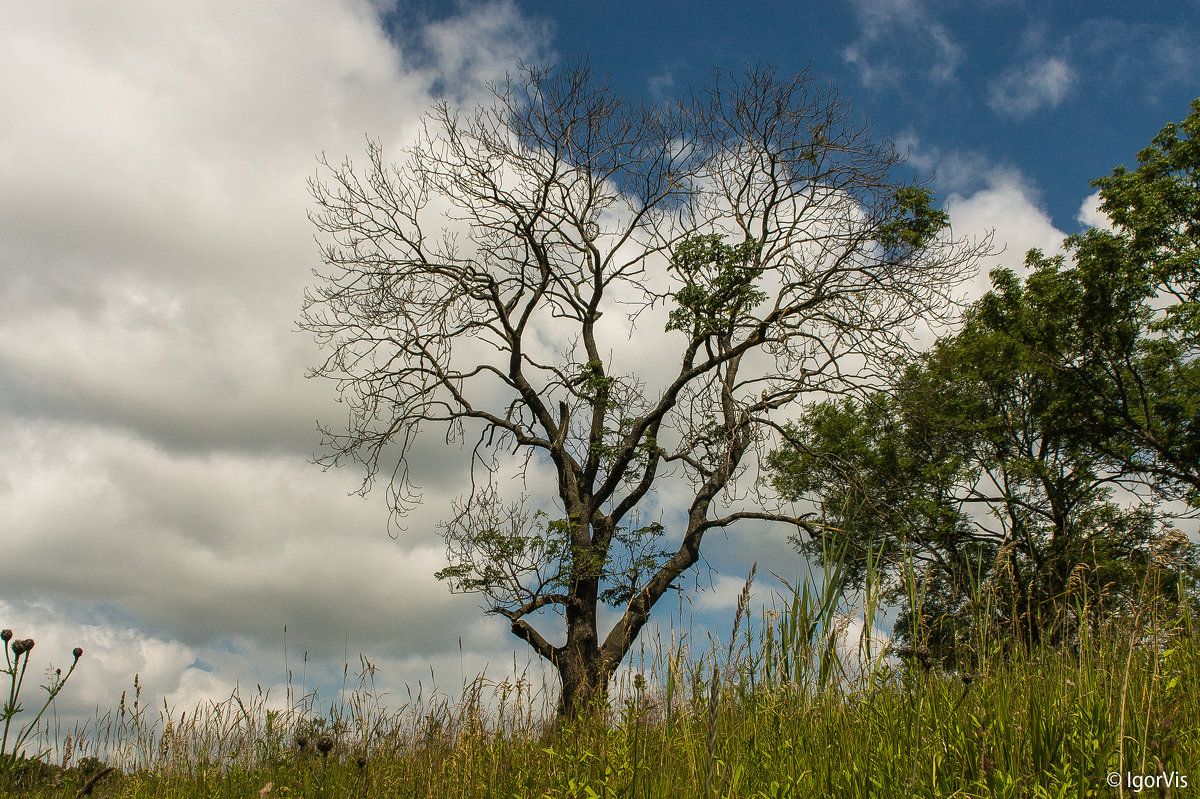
pixel 789 708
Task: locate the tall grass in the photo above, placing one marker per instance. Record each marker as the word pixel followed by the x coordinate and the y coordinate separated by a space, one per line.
pixel 793 707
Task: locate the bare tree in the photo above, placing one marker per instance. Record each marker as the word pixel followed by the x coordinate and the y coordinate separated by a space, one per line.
pixel 464 288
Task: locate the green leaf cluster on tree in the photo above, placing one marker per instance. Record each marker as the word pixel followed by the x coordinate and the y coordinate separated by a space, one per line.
pixel 917 222
pixel 718 285
pixel 1018 470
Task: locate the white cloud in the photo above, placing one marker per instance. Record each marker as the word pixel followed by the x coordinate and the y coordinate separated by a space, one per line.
pixel 208 545
pixel 722 595
pixel 1008 207
pixel 1025 88
pixel 157 247
pixel 661 85
pixel 469 49
pixel 1090 214
pixel 1149 60
pixel 984 198
pixel 154 248
pixel 855 643
pixel 891 30
pixel 113 653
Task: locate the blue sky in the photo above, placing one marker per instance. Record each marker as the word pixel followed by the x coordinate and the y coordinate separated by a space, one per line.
pixel 157 501
pixel 1061 92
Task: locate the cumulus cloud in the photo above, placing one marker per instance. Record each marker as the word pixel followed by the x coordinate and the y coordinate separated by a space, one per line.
pixel 1152 59
pixel 661 85
pixel 856 642
pixel 721 595
pixel 211 544
pixel 1008 207
pixel 491 39
pixel 154 249
pixel 988 199
pixel 890 31
pixel 157 248
pixel 114 652
pixel 1025 88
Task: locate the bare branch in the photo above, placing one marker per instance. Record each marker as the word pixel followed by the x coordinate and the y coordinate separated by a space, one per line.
pixel 753 238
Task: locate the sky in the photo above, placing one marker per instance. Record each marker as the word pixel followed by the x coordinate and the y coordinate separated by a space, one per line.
pixel 158 506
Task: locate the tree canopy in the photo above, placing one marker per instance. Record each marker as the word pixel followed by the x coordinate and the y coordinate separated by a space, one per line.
pixel 1121 322
pixel 1029 453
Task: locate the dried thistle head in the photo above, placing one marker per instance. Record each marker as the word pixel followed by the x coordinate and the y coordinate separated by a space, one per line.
pixel 77 652
pixel 5 635
pixel 21 646
pixel 324 745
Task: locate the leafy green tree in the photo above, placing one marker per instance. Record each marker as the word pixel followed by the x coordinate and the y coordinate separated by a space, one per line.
pixel 1118 320
pixel 966 478
pixel 996 460
pixel 769 231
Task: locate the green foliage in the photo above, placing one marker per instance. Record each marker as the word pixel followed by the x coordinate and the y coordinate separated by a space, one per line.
pixel 995 457
pixel 718 285
pixel 915 221
pixel 506 550
pixel 1119 324
pixel 877 483
pixel 636 555
pixel 975 468
pixel 592 385
pixel 1156 207
pixel 517 559
pixel 1027 722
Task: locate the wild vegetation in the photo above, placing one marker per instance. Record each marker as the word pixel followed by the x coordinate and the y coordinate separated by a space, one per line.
pixel 791 707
